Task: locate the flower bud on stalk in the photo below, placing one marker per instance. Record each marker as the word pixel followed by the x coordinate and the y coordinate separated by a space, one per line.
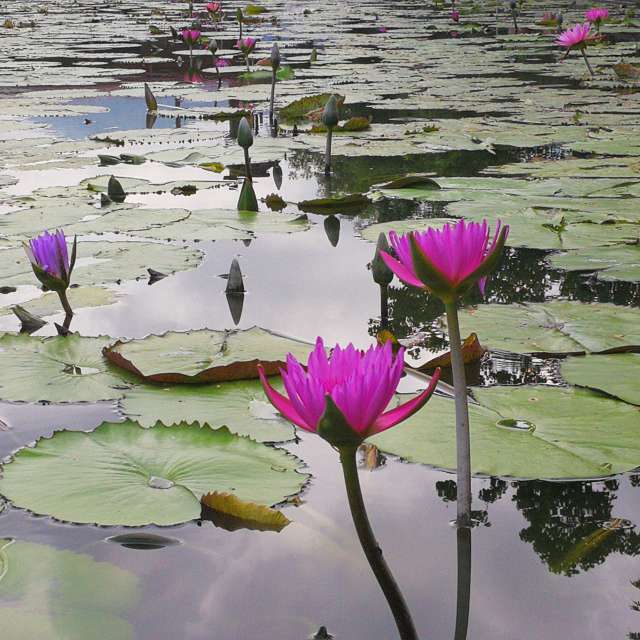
pixel 330 118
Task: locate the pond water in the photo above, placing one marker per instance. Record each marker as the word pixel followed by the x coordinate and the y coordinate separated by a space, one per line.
pixel 549 559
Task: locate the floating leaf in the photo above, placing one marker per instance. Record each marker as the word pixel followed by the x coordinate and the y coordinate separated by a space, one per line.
pixel 525 432
pixel 553 327
pixel 616 375
pixel 303 107
pixel 205 356
pixel 231 513
pixel 472 351
pixel 352 203
pixel 618 262
pixel 122 474
pixel 57 369
pixel 240 406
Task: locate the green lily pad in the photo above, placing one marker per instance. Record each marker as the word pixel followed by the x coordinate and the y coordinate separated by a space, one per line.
pixel 240 406
pixel 79 298
pixel 49 594
pixel 57 369
pixel 351 203
pixel 553 327
pixel 572 433
pixel 122 474
pixel 619 262
pixel 616 375
pixel 106 262
pixel 205 356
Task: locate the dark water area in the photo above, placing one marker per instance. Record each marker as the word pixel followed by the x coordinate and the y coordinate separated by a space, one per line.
pixel 549 560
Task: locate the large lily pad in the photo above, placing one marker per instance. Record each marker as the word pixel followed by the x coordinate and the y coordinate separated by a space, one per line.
pixel 616 375
pixel 57 369
pixel 553 327
pixel 620 262
pixel 526 432
pixel 240 406
pixel 122 474
pixel 205 356
pixel 49 594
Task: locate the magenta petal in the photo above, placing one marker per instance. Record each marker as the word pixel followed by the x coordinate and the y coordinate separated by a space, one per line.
pixel 281 403
pixel 406 410
pixel 401 271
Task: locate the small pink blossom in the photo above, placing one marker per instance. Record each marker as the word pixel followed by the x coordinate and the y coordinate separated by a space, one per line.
pixel 222 62
pixel 214 7
pixel 382 29
pixel 361 385
pixel 578 36
pixel 246 45
pixel 455 15
pixel 190 36
pixel 596 15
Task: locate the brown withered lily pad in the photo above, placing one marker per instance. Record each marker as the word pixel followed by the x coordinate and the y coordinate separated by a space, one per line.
pixel 205 356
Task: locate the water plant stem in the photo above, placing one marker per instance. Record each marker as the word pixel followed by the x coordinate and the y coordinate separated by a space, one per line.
pixel 463 444
pixel 464 583
pixel 273 91
pixel 586 60
pixel 371 548
pixel 515 20
pixel 65 303
pixel 327 153
pixel 247 164
pixel 246 61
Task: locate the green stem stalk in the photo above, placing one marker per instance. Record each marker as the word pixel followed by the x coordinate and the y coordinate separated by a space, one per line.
pixel 464 583
pixel 327 153
pixel 65 304
pixel 463 444
pixel 586 60
pixel 371 549
pixel 247 165
pixel 273 90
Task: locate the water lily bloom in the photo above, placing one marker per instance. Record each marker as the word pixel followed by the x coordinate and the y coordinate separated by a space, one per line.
pixel 246 45
pixel 578 36
pixel 596 15
pixel 343 397
pixel 190 36
pixel 214 7
pixel 49 258
pixel 455 16
pixel 447 261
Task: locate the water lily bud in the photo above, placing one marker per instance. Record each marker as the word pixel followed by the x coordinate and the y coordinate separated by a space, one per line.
pixel 234 281
pixel 381 273
pixel 275 57
pixel 213 45
pixel 330 116
pixel 245 135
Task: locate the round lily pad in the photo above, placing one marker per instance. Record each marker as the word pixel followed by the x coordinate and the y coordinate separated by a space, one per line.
pixel 205 356
pixel 553 327
pixel 57 369
pixel 48 593
pixel 525 432
pixel 240 406
pixel 122 474
pixel 616 375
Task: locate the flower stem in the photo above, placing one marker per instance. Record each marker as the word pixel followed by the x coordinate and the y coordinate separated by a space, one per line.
pixel 584 55
pixel 371 549
pixel 65 304
pixel 247 165
pixel 463 445
pixel 464 583
pixel 273 91
pixel 327 153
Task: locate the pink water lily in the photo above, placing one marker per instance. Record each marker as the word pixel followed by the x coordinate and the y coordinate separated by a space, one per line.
pixel 214 7
pixel 596 15
pixel 246 45
pixel 190 36
pixel 455 15
pixel 359 385
pixel 447 261
pixel 578 36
